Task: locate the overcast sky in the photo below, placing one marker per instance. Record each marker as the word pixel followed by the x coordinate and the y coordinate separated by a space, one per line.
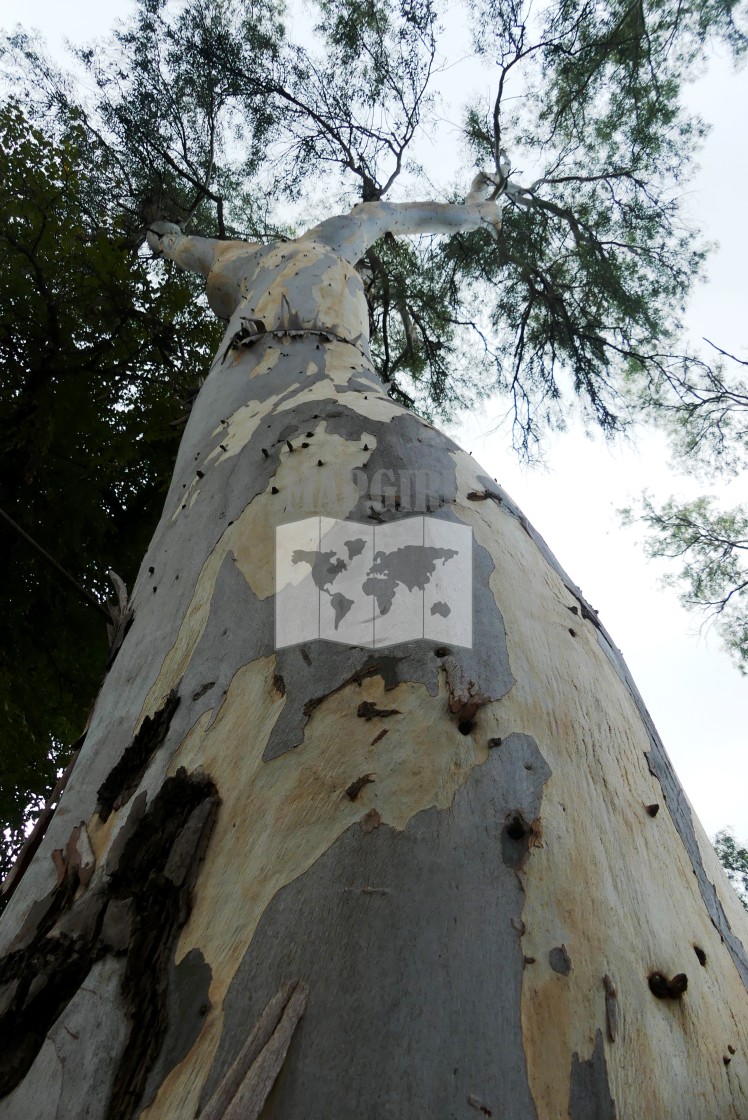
pixel 698 700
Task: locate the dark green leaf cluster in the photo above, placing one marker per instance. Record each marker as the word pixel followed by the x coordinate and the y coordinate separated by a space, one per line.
pixel 93 356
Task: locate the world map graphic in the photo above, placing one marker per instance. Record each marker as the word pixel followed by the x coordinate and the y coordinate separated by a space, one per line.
pixel 375 585
pixel 411 566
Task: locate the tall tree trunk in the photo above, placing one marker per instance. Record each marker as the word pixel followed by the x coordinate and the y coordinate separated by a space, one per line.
pixel 324 880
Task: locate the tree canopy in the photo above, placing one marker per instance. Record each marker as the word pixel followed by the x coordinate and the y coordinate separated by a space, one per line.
pixel 255 121
pixel 224 120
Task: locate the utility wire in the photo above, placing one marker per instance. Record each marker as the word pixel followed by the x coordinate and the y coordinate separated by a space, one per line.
pixel 87 595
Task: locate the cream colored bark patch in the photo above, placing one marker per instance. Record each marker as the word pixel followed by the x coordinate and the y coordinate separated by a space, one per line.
pixel 268 362
pixel 372 406
pixel 240 427
pixel 277 818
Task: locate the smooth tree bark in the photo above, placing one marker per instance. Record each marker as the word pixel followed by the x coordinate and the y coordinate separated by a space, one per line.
pixel 328 880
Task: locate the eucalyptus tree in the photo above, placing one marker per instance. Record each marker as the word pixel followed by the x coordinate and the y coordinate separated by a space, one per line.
pixel 429 859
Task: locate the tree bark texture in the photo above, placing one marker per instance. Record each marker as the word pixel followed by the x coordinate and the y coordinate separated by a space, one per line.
pixel 327 881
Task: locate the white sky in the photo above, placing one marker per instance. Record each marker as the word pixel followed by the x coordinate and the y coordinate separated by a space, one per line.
pixel 698 700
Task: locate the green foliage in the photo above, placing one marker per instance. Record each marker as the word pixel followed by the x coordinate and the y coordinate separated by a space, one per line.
pixel 711 547
pixel 593 272
pixel 92 354
pixel 228 119
pixel 171 107
pixel 703 409
pixel 705 413
pixel 734 859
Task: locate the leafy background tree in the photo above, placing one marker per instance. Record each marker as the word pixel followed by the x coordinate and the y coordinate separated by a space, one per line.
pixel 734 858
pixel 94 357
pixel 705 412
pixel 213 116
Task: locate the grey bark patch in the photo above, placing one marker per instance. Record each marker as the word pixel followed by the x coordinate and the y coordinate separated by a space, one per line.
pixel 244 1090
pixel 325 670
pixel 486 663
pixel 188 1003
pixel 35 920
pixel 559 960
pixel 240 628
pixel 82 921
pixel 63 1082
pixel 137 811
pixel 116 928
pixel 406 943
pixel 589 1094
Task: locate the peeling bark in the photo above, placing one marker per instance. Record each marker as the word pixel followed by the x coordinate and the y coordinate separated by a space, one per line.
pixel 137 910
pixel 245 1088
pixel 123 780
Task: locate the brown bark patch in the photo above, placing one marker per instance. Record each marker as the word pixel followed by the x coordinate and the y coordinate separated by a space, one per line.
pixel 465 696
pixel 663 988
pixel 76 857
pixel 367 710
pixel 122 781
pixel 477 1103
pixel 611 1007
pixel 354 789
